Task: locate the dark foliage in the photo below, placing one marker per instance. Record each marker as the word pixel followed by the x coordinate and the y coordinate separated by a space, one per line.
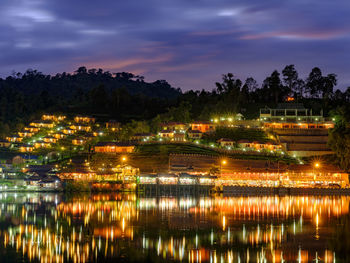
pixel 124 96
pixel 118 95
pixel 237 134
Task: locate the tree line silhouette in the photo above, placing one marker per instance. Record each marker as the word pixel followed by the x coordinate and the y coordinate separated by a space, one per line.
pixel 124 96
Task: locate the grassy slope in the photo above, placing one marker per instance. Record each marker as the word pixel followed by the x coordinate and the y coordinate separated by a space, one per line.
pixel 149 150
pixel 237 134
pixel 165 149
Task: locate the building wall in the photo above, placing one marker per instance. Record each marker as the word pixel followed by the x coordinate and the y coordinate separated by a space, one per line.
pixel 284 125
pixel 166 135
pixel 203 127
pixel 302 153
pixel 308 147
pixel 5 144
pixel 114 149
pixel 195 135
pixel 223 144
pixel 305 139
pixel 304 142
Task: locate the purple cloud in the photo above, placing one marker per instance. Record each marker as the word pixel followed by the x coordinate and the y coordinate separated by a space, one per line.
pixel 188 43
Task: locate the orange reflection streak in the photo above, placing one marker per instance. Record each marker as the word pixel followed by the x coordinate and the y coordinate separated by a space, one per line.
pixel 80 229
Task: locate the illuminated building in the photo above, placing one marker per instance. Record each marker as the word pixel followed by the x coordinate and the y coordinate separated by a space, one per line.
pixel 290 112
pixel 224 142
pixel 4 143
pixel 113 125
pixel 302 139
pixel 174 126
pixel 68 131
pixel 80 127
pixel 32 129
pixel 49 139
pixel 114 147
pixel 79 141
pixel 300 125
pixel 77 173
pixel 52 117
pixel 97 133
pixel 177 179
pixel 272 146
pixel 59 135
pixel 26 148
pixel 25 134
pixel 194 134
pixel 179 137
pixel 202 126
pixel 301 132
pixel 42 144
pixel 123 172
pixel 43 124
pixel 14 139
pixel 166 134
pixel 84 119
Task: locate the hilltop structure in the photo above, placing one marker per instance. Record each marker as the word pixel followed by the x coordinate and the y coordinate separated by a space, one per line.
pixel 302 132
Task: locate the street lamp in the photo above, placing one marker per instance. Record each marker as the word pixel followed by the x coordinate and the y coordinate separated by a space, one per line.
pixel 123 161
pixel 316 165
pixel 222 162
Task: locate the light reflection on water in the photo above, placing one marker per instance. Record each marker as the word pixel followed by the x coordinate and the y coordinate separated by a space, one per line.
pixel 54 228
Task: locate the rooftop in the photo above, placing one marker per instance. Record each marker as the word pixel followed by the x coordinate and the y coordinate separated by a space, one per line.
pixel 121 144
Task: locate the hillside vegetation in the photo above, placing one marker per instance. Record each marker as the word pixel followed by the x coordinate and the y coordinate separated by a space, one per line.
pixel 121 96
pixel 149 150
pixel 237 134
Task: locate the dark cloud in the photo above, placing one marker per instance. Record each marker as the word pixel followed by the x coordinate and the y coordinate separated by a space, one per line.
pixel 188 43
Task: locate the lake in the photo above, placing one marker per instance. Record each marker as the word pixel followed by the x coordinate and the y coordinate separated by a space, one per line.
pixel 40 227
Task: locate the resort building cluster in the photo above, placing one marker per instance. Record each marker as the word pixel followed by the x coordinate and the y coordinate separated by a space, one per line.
pixel 289 129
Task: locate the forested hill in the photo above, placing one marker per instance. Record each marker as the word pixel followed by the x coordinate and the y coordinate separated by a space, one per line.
pixel 120 95
pixel 125 97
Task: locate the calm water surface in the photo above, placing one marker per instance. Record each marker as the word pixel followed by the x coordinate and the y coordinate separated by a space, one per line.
pixel 127 228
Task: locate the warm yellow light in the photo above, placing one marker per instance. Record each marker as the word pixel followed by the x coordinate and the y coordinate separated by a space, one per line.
pixel 317 165
pixel 224 162
pixel 123 158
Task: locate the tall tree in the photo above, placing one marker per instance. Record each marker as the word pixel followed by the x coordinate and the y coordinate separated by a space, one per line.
pixel 329 82
pixel 314 83
pixel 250 84
pixel 274 85
pixel 347 94
pixel 339 137
pixel 290 77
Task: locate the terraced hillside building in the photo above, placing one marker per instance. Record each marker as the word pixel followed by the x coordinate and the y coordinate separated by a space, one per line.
pixel 300 131
pixel 291 113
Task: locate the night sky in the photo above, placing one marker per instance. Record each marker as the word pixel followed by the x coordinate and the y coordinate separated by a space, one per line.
pixel 190 43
